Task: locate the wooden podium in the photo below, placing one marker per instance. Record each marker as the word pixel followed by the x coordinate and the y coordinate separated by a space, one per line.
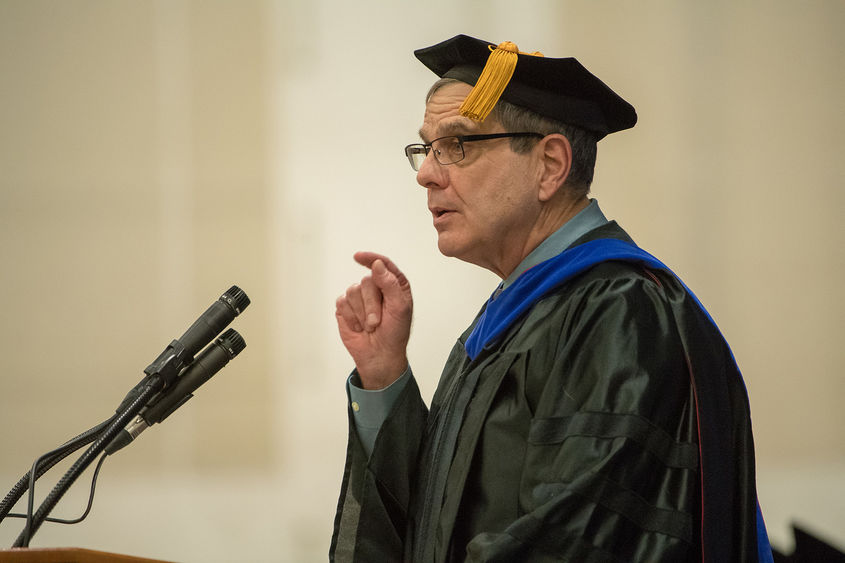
pixel 67 555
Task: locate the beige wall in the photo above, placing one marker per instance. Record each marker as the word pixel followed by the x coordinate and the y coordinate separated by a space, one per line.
pixel 154 153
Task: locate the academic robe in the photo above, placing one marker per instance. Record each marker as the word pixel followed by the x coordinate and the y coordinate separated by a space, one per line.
pixel 608 423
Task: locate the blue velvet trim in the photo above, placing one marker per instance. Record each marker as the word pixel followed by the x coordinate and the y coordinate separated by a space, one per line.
pixel 535 283
pixel 764 548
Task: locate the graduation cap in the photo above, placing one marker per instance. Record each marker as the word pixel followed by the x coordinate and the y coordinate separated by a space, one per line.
pixel 560 89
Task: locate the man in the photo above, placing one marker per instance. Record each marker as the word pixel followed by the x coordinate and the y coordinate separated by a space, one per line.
pixel 591 412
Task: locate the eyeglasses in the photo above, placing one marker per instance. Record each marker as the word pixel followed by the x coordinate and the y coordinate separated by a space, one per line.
pixel 449 150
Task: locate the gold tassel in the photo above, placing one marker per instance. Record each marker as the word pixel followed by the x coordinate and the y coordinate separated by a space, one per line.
pixel 494 79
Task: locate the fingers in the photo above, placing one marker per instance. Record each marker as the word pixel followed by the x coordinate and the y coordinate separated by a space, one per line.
pixel 384 293
pixel 371 297
pixel 369 260
pixel 366 258
pixel 345 314
pixel 361 306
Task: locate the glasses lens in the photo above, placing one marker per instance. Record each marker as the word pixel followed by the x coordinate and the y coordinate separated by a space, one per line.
pixel 448 150
pixel 416 155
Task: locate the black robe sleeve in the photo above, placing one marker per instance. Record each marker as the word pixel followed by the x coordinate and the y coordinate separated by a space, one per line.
pixel 372 514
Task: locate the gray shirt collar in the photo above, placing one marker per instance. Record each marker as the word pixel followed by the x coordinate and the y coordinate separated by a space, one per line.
pixel 586 220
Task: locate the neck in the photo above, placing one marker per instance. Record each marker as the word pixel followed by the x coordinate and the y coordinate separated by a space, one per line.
pixel 551 217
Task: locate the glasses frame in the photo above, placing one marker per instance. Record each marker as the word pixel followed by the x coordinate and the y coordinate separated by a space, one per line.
pixel 429 147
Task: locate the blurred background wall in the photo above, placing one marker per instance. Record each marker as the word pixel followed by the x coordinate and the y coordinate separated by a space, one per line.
pixel 152 154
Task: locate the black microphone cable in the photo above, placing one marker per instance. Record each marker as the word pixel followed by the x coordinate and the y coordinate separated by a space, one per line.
pixel 44 463
pixel 76 520
pixel 153 386
pixel 176 360
pixel 207 364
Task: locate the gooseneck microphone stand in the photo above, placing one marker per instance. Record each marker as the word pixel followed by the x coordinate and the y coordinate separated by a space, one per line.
pixel 155 385
pixel 46 462
pixel 168 383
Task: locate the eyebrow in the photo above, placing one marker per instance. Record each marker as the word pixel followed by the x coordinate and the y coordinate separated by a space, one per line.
pixel 457 127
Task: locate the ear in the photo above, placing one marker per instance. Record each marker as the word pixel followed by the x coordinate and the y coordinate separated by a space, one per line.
pixel 555 155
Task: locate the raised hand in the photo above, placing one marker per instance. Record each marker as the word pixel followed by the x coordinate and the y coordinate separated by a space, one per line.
pixel 374 321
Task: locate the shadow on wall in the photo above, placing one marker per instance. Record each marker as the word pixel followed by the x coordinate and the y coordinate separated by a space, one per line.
pixel 810 549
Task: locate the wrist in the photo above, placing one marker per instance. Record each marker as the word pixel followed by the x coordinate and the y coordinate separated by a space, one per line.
pixel 378 377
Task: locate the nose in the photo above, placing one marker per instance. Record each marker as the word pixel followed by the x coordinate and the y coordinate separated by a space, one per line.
pixel 432 174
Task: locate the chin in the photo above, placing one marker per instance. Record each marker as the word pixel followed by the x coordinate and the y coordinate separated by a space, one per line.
pixel 454 249
pixel 448 247
pixel 445 249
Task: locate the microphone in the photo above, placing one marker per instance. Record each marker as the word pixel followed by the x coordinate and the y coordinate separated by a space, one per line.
pixel 214 320
pixel 208 363
pixel 181 352
pixel 154 388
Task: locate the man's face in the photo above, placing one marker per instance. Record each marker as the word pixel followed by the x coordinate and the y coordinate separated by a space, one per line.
pixel 484 206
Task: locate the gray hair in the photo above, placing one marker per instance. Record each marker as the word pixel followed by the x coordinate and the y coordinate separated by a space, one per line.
pixel 517 119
